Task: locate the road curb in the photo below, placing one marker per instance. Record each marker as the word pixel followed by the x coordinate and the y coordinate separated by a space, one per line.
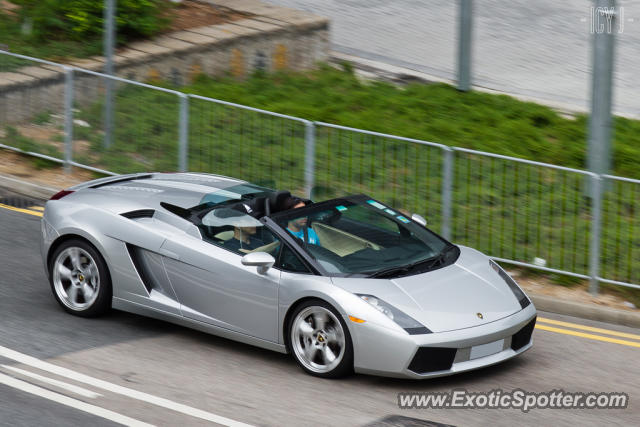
pixel 26 188
pixel 586 311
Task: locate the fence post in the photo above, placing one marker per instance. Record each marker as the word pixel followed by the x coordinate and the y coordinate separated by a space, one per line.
pixel 309 156
pixel 183 133
pixel 447 184
pixel 594 251
pixel 464 46
pixel 600 120
pixel 68 118
pixel 108 41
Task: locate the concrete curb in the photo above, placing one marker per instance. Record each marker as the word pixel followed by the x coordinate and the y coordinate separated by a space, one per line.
pixel 26 188
pixel 586 311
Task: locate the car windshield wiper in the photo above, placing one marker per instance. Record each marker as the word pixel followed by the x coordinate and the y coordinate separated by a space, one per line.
pixel 395 270
pixel 430 262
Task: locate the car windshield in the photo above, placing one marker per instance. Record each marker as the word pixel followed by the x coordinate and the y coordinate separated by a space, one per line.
pixel 357 235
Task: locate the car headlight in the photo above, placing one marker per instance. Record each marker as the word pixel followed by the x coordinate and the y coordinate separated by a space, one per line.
pixel 520 296
pixel 406 322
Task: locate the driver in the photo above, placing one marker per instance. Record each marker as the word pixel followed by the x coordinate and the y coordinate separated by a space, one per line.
pixel 244 229
pixel 243 238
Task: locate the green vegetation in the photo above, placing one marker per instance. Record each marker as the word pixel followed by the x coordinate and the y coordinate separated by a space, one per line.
pixel 17 140
pixel 56 29
pixel 436 112
pixel 82 19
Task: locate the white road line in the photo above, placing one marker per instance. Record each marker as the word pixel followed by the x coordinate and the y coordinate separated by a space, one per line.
pixel 114 388
pixel 70 387
pixel 65 400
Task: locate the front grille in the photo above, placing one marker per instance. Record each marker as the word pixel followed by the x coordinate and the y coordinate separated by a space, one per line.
pixel 432 359
pixel 523 336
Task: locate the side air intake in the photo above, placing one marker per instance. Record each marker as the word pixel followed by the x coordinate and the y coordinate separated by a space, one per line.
pixel 523 336
pixel 138 262
pixel 140 213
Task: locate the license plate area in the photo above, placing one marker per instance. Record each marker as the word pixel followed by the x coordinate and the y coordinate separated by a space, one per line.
pixel 483 350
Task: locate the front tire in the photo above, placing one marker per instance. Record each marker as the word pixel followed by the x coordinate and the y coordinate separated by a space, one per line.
pixel 320 341
pixel 79 279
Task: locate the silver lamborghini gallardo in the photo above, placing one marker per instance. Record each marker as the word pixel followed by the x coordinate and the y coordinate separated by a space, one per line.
pixel 344 285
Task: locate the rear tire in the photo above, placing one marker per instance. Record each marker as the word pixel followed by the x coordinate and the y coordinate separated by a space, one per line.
pixel 79 279
pixel 320 341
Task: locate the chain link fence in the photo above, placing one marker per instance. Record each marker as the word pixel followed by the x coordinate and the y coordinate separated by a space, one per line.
pixel 620 249
pixel 522 212
pixel 260 146
pixel 32 106
pixel 145 127
pixel 406 173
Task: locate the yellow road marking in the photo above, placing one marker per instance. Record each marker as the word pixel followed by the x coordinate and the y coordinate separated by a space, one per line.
pixel 589 328
pixel 585 335
pixel 36 208
pixel 27 211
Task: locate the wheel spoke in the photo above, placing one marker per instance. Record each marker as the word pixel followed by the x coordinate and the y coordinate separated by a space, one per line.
pixel 320 320
pixel 87 292
pixel 327 355
pixel 74 254
pixel 73 294
pixel 305 329
pixel 91 274
pixel 310 352
pixel 335 336
pixel 64 272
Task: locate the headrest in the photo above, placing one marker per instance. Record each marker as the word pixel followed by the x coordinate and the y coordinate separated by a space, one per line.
pixel 278 199
pixel 253 207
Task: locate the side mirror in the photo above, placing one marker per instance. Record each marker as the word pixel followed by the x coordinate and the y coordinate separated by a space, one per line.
pixel 419 219
pixel 262 260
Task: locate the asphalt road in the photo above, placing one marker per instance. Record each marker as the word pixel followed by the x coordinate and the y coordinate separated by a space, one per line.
pixel 155 372
pixel 538 49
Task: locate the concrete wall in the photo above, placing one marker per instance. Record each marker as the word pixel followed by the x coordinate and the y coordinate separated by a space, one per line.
pixel 272 38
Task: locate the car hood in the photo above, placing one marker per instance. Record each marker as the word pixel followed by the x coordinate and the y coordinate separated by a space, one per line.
pixel 462 295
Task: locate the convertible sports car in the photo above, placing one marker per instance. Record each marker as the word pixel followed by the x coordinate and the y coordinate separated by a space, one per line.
pixel 345 284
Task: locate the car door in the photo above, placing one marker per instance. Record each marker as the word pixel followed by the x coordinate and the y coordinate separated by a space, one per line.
pixel 214 287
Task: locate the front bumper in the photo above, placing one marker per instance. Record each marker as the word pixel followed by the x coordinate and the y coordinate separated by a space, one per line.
pixel 381 351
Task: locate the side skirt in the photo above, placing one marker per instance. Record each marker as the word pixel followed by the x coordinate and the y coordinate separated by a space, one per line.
pixel 132 307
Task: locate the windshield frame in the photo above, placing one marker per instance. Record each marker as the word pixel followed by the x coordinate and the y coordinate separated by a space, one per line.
pixel 274 219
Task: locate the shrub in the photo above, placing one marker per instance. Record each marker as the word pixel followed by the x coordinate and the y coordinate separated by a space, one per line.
pixel 82 19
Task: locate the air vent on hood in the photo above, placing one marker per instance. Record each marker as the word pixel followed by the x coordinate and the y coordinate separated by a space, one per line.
pixel 140 213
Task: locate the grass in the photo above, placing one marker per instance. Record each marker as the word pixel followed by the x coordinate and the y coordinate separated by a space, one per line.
pixel 436 112
pixel 503 208
pixel 16 139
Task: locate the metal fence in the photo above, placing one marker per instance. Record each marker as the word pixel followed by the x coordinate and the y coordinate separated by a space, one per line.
pixel 261 146
pixel 146 131
pixel 522 212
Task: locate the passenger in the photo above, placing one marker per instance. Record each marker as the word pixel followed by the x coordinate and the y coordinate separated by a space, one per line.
pixel 298 226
